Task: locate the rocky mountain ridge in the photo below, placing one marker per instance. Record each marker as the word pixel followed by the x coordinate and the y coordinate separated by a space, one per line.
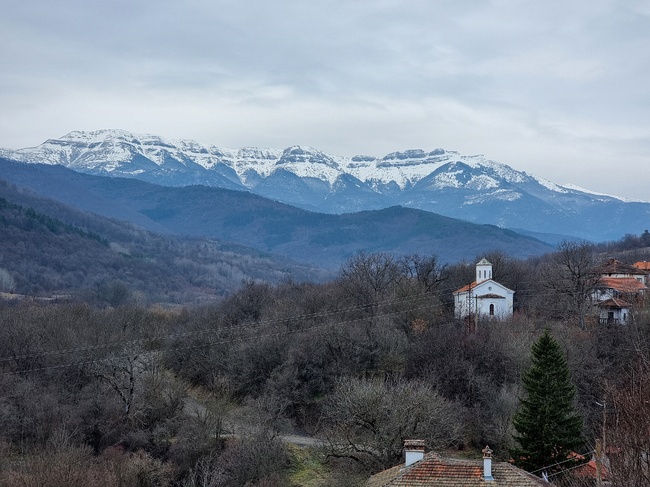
pixel 239 218
pixel 473 188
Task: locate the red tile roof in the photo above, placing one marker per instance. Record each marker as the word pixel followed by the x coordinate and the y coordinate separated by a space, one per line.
pixel 437 471
pixel 644 266
pixel 589 469
pixel 614 303
pixel 622 284
pixel 613 266
pixel 466 288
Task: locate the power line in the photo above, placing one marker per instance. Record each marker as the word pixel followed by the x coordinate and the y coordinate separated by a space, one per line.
pixel 202 345
pixel 256 324
pixel 560 463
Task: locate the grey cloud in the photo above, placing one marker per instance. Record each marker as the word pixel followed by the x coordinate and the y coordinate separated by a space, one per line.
pixel 355 76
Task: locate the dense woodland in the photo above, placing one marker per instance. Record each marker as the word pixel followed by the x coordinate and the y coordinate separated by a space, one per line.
pixel 55 250
pixel 109 390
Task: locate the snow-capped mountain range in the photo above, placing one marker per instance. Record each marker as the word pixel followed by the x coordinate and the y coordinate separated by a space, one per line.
pixel 119 152
pixel 469 187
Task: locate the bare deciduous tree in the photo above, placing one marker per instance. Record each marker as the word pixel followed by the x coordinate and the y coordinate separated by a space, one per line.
pixel 368 420
pixel 427 272
pixel 571 277
pixel 628 434
pixel 369 278
pixel 123 375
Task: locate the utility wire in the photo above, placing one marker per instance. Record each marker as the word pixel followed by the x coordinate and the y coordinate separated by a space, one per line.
pixel 560 463
pixel 256 324
pixel 202 345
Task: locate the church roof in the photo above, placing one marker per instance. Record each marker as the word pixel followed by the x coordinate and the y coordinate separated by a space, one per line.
pixel 466 288
pixel 482 284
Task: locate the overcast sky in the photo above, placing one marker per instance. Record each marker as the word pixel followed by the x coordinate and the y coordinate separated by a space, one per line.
pixel 560 89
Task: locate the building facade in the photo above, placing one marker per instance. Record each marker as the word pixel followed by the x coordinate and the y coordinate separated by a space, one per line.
pixel 483 298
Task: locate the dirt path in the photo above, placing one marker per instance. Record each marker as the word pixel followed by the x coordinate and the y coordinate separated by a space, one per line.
pixel 193 407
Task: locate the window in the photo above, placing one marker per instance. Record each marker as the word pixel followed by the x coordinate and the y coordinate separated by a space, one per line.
pixel 491 310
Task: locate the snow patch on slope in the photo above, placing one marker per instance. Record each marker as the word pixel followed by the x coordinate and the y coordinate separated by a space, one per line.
pixel 500 194
pixel 116 150
pixel 574 187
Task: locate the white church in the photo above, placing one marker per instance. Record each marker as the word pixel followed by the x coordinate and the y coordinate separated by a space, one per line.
pixel 483 298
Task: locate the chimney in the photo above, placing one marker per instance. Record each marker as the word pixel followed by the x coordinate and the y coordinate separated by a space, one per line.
pixel 413 451
pixel 487 464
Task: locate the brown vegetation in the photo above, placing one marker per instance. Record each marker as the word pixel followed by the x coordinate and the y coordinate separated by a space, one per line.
pixel 107 396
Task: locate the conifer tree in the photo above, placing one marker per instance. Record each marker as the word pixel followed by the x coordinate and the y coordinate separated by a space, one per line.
pixel 548 428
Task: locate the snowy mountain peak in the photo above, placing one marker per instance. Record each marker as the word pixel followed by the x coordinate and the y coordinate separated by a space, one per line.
pixel 122 153
pixel 306 162
pixel 94 136
pixel 308 155
pixel 409 154
pixel 471 187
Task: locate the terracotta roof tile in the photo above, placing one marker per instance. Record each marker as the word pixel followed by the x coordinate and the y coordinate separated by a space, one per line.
pixel 644 266
pixel 615 303
pixel 622 284
pixel 589 470
pixel 613 266
pixel 466 288
pixel 436 471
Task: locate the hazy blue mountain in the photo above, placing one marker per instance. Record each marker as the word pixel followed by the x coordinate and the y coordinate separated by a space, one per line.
pixel 49 248
pixel 472 188
pixel 324 240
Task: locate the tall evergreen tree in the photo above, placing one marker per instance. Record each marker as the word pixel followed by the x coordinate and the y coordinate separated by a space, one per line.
pixel 548 428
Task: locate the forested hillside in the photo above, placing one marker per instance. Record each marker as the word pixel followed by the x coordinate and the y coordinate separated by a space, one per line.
pixel 133 396
pixel 50 249
pixel 316 239
pixel 463 187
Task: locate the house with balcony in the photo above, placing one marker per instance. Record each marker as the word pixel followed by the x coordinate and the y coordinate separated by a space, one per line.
pixel 645 267
pixel 619 289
